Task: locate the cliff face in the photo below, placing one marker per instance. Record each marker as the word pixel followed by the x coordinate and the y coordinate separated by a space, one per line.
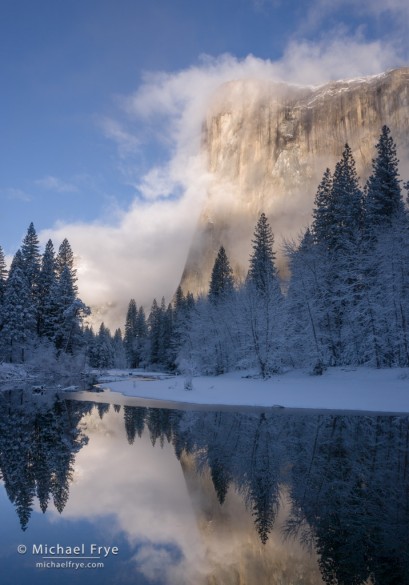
pixel 267 146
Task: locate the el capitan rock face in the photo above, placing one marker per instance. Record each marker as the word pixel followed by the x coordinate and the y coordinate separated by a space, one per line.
pixel 267 146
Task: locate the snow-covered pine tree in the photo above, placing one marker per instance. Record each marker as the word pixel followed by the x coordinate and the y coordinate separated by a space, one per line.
pixel 46 284
pixel 104 348
pixel 119 357
pixel 18 317
pixel 385 261
pixel 155 330
pixel 65 259
pixel 68 312
pixel 383 197
pixel 339 242
pixel 3 274
pixel 323 212
pixel 306 305
pixel 131 334
pixel 262 274
pixel 345 207
pixel 136 336
pixel 262 301
pixel 30 251
pixel 221 282
pixel 17 262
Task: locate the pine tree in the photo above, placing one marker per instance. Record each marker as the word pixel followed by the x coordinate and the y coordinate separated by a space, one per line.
pixel 345 207
pixel 179 301
pixel 119 356
pixel 46 284
pixel 306 305
pixel 221 282
pixel 18 317
pixel 337 230
pixel 131 334
pixel 17 262
pixel 322 213
pixel 30 251
pixel 65 259
pixel 155 332
pixel 262 274
pixel 262 303
pixel 104 348
pixel 383 199
pixel 68 312
pixel 385 303
pixel 3 275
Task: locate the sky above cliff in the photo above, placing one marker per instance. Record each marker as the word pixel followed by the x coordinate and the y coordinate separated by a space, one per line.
pixel 102 104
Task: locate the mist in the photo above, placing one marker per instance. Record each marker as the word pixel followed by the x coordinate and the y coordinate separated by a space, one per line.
pixel 141 253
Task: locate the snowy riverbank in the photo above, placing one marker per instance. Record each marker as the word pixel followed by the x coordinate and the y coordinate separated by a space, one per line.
pixel 362 389
pixel 353 389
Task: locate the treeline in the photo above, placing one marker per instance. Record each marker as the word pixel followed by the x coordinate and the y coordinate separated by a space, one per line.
pixel 40 311
pixel 346 302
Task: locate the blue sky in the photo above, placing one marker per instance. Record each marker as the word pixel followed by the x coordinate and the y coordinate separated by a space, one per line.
pixel 101 105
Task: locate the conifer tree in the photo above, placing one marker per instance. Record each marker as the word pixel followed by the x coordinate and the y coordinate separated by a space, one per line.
pixel 131 334
pixel 305 304
pixel 18 317
pixel 68 312
pixel 119 356
pixel 322 213
pixel 46 285
pixel 262 302
pixel 155 332
pixel 262 273
pixel 104 350
pixel 30 251
pixel 17 262
pixel 345 208
pixel 221 282
pixel 3 274
pixel 383 199
pixel 65 259
pixel 179 301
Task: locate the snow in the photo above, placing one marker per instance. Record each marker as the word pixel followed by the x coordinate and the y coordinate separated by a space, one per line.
pixel 360 389
pixel 12 372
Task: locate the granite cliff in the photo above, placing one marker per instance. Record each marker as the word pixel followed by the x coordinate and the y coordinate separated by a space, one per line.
pixel 267 146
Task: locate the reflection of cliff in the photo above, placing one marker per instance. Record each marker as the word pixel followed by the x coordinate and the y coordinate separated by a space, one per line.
pixel 267 146
pixel 38 442
pixel 234 550
pixel 346 486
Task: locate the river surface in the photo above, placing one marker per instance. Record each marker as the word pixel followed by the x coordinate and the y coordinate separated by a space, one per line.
pixel 98 492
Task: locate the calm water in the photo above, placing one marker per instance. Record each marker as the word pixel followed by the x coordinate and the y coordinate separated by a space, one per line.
pixel 200 497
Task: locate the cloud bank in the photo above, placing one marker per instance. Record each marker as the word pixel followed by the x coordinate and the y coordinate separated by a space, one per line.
pixel 141 253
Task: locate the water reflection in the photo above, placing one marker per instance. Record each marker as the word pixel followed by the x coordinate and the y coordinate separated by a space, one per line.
pixel 339 485
pixel 38 443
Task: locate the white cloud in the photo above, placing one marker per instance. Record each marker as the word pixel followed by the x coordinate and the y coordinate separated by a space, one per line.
pixel 55 184
pixel 395 8
pixel 143 254
pixel 170 515
pixel 336 58
pixel 127 143
pixel 16 194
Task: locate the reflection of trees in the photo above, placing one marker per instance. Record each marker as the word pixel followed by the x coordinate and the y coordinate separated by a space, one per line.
pixel 38 443
pixel 134 418
pixel 353 492
pixel 347 480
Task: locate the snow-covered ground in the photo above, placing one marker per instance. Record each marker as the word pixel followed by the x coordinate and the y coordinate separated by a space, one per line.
pixel 360 389
pixel 353 389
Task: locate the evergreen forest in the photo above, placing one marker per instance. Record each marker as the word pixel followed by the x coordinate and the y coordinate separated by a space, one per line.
pixel 345 303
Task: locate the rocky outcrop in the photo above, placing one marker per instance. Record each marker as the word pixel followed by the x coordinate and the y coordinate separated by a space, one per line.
pixel 267 146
